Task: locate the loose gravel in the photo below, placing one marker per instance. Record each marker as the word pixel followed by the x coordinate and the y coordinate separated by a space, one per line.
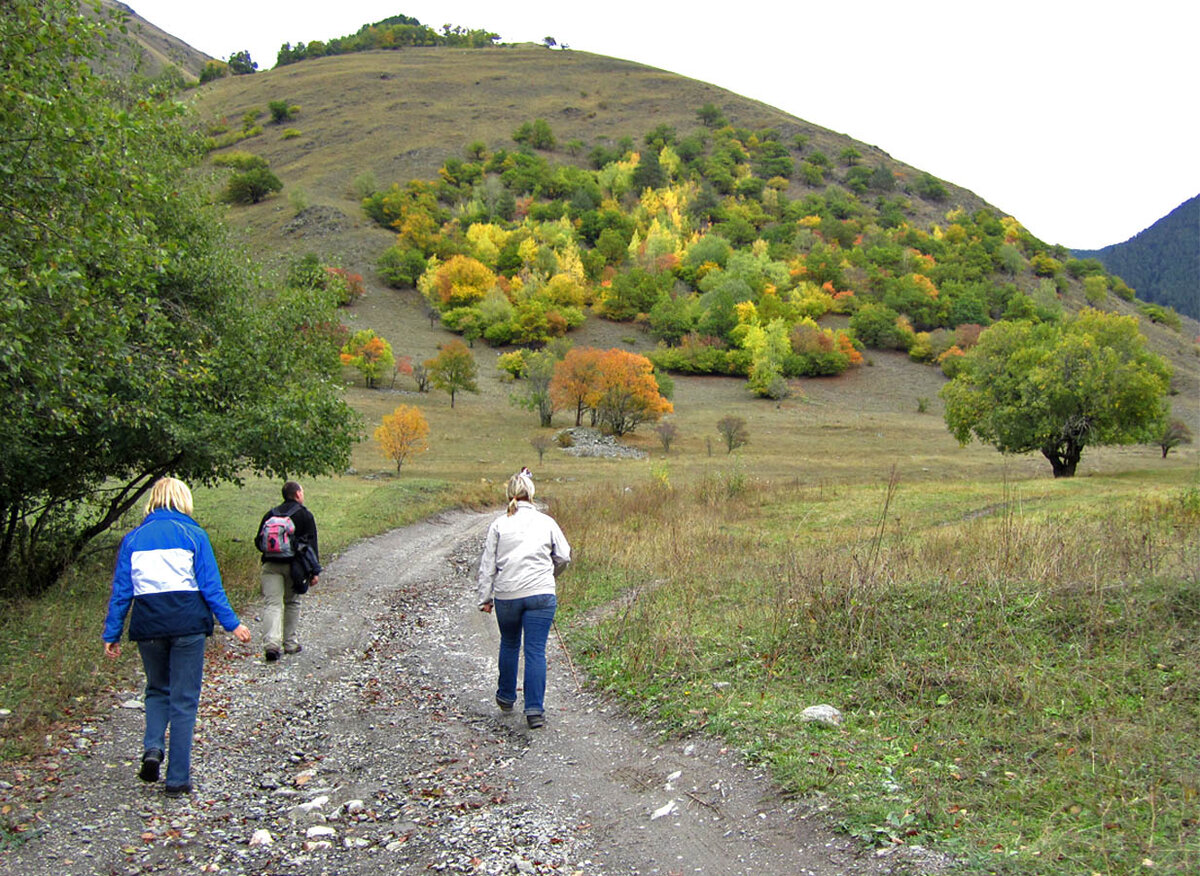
pixel 378 750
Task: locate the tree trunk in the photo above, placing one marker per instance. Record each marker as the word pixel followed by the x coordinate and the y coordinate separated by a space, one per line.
pixel 1063 460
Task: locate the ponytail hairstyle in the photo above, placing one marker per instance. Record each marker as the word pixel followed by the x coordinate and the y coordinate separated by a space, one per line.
pixel 520 486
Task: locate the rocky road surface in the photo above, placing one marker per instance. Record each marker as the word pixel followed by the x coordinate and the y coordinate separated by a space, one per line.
pixel 379 750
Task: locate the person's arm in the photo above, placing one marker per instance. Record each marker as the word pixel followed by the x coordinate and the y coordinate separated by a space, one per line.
pixel 487 569
pixel 118 603
pixel 560 550
pixel 208 579
pixel 307 534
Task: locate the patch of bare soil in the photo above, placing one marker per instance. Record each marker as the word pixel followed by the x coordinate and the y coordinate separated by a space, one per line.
pixel 378 749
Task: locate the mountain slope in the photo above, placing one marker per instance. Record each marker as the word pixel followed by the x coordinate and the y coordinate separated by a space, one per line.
pixel 1162 263
pixel 145 50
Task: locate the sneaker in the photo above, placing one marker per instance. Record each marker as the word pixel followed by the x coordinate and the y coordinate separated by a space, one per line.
pixel 536 721
pixel 151 761
pixel 504 707
pixel 272 655
pixel 295 650
pixel 178 790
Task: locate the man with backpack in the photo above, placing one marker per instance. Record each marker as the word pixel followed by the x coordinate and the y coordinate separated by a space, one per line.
pixel 287 540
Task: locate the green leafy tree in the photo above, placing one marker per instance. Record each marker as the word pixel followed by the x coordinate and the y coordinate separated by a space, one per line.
pixel 252 186
pixel 453 369
pixel 281 111
pixel 126 317
pixel 241 64
pixel 711 116
pixel 534 393
pixel 1175 433
pixel 1058 387
pixel 769 346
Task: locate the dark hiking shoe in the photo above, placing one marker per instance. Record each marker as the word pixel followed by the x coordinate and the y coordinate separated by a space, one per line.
pixel 174 791
pixel 504 707
pixel 535 722
pixel 151 761
pixel 272 655
pixel 296 650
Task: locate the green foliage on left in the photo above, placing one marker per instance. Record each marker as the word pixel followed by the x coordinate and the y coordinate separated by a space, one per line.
pixel 133 341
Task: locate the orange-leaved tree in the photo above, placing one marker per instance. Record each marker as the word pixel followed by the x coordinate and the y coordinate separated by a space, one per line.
pixel 575 384
pixel 370 354
pixel 403 434
pixel 628 392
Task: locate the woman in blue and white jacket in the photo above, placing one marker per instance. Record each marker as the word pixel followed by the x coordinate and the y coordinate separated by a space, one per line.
pixel 167 571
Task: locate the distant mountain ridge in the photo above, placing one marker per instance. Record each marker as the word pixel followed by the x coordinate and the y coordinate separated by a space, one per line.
pixel 145 50
pixel 1162 263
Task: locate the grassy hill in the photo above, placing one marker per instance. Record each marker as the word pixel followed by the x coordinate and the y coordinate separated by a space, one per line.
pixel 396 116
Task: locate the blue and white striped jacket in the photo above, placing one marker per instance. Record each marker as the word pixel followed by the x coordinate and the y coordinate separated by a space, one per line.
pixel 167 570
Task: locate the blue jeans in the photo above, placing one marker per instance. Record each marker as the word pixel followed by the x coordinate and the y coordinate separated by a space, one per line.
pixel 531 616
pixel 174 670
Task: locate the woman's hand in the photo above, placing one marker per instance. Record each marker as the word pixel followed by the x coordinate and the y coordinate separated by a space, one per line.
pixel 486 606
pixel 112 650
pixel 242 634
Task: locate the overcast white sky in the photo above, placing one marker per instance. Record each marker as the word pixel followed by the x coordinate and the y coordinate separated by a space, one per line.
pixel 1078 118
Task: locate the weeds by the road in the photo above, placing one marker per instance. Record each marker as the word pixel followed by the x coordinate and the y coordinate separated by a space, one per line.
pixel 1017 665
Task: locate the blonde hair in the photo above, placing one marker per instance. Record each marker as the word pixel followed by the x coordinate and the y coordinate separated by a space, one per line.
pixel 170 493
pixel 520 486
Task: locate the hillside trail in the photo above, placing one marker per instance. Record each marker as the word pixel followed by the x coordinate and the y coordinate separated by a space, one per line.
pixel 379 750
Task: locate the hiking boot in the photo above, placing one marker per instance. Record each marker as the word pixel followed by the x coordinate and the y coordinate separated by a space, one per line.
pixel 504 707
pixel 174 791
pixel 296 649
pixel 535 721
pixel 272 655
pixel 151 761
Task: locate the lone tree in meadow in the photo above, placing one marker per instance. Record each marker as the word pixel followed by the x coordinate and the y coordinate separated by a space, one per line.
pixel 370 354
pixel 1175 433
pixel 534 392
pixel 627 393
pixel 1058 387
pixel 453 369
pixel 667 433
pixel 733 432
pixel 403 433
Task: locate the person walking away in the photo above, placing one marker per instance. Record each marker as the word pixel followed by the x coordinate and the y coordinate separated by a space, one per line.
pixel 281 534
pixel 167 572
pixel 523 552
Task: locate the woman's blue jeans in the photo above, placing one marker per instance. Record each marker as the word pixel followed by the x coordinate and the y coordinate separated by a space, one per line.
pixel 174 671
pixel 529 618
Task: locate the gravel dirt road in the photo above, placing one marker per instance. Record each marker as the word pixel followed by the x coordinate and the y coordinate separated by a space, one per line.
pixel 379 750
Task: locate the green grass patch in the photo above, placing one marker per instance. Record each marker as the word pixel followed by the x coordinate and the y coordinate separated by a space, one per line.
pixel 1016 664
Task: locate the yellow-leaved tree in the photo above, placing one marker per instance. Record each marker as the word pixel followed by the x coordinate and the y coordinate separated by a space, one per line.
pixel 403 433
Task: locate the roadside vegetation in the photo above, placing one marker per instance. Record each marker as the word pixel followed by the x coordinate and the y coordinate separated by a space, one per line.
pixel 1016 663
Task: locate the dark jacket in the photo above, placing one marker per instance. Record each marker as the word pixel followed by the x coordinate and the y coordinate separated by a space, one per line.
pixel 167 570
pixel 306 527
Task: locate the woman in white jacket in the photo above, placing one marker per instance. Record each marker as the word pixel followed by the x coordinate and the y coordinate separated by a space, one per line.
pixel 522 553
